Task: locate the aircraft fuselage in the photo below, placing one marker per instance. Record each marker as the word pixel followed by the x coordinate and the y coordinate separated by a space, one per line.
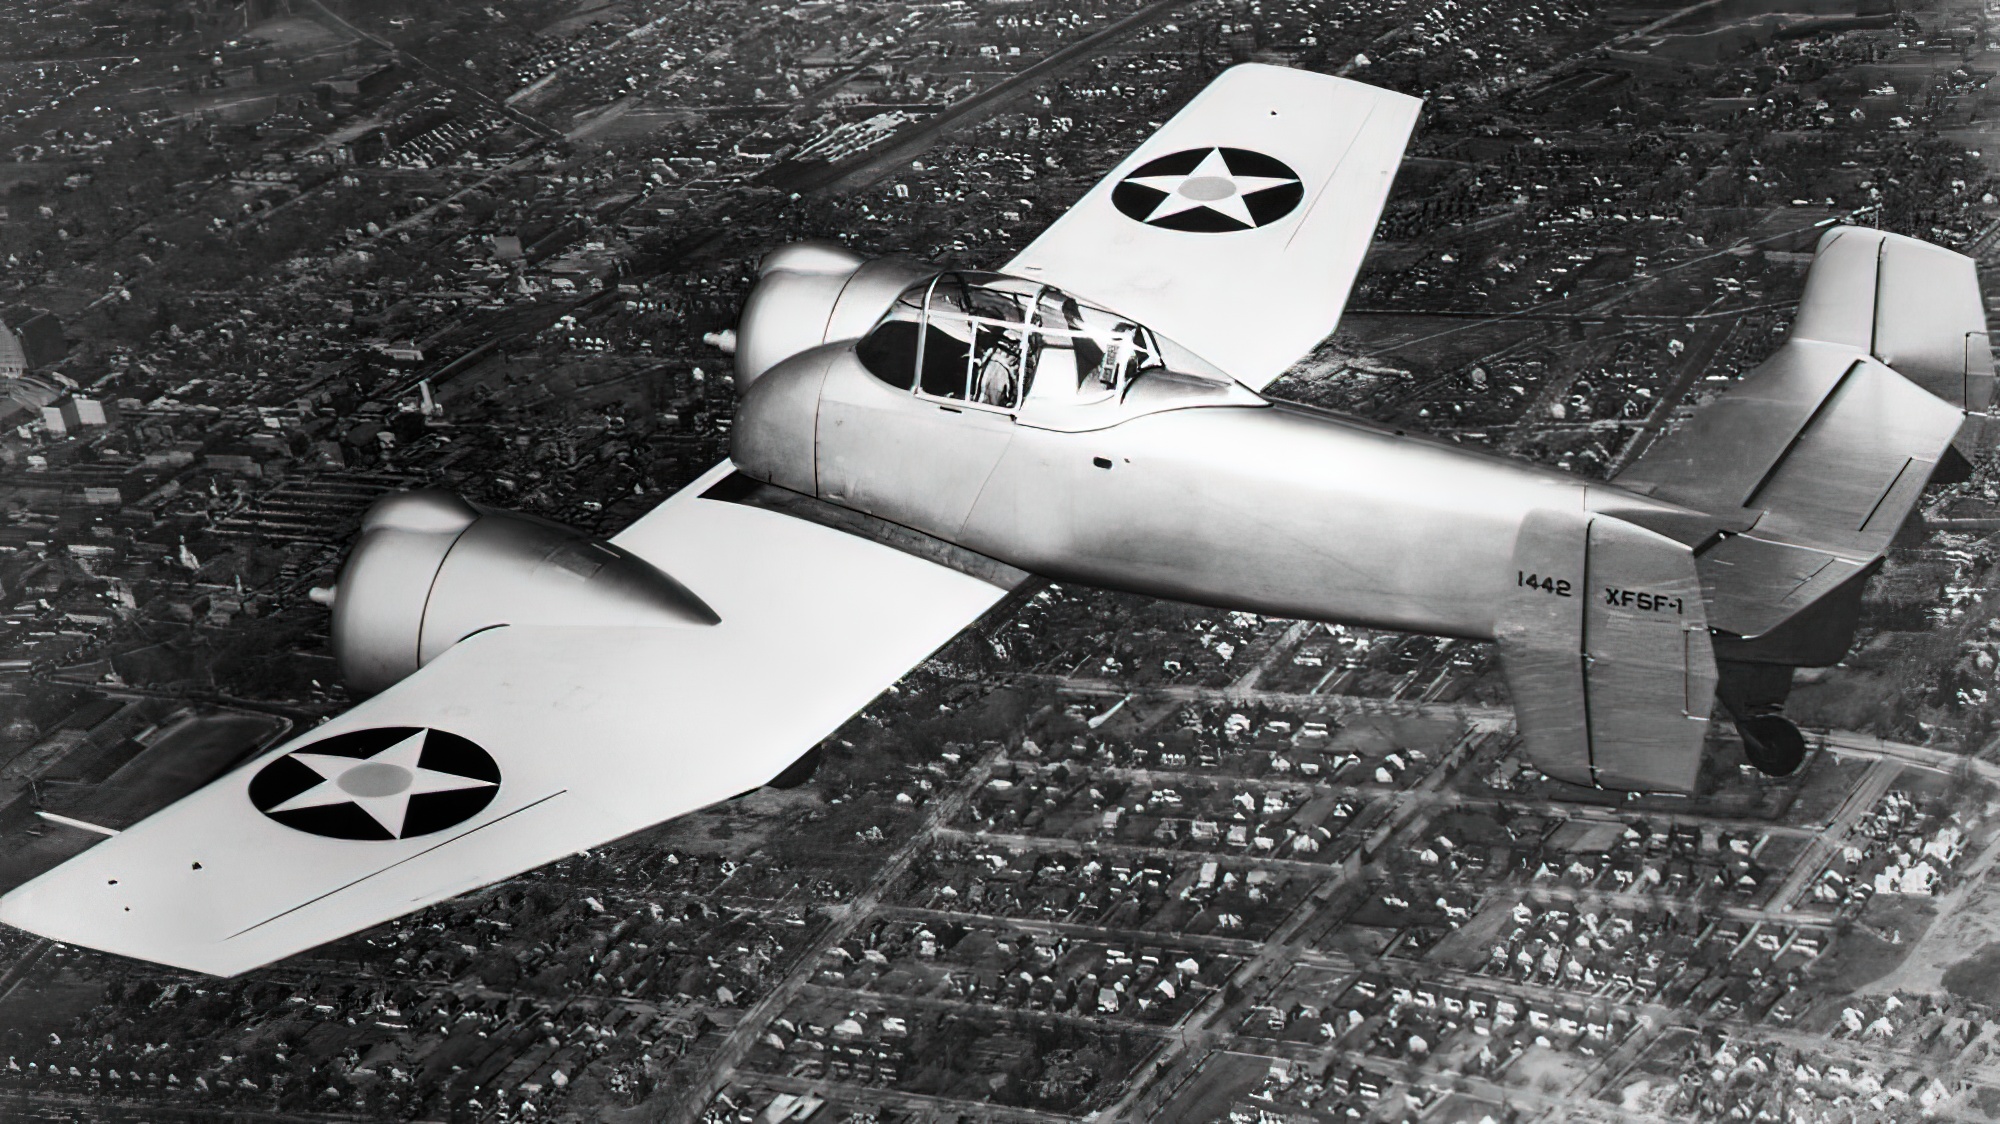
pixel 1182 487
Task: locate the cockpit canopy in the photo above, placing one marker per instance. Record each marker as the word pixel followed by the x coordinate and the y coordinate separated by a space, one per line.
pixel 1000 342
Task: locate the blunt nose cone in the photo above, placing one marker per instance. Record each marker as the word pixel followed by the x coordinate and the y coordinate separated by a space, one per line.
pixel 379 604
pixel 772 439
pixel 810 293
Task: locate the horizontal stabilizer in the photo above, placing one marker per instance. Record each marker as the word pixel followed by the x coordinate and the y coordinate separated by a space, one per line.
pixel 1822 452
pixel 1758 584
pixel 1605 646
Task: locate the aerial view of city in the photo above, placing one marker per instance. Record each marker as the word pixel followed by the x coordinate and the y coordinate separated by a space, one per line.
pixel 1102 856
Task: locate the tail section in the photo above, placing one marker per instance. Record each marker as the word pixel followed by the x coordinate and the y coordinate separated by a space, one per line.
pixel 1910 305
pixel 1815 460
pixel 1810 465
pixel 1773 504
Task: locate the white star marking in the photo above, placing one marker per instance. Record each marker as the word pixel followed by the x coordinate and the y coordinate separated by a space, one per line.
pixel 381 785
pixel 1210 185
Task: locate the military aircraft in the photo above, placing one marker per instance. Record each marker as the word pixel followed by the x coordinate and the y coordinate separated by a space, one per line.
pixel 912 442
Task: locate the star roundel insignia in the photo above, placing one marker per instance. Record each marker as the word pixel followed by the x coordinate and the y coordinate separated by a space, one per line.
pixel 393 782
pixel 1209 191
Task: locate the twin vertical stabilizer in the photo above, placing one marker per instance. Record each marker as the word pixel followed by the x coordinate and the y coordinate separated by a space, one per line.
pixel 1796 479
pixel 1605 643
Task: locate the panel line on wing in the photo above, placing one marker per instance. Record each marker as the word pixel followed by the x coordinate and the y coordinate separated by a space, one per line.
pixel 1875 306
pixel 397 863
pixel 1326 184
pixel 1887 490
pixel 1819 410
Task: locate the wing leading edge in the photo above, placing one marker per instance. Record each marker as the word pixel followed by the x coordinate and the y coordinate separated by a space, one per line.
pixel 593 733
pixel 1237 229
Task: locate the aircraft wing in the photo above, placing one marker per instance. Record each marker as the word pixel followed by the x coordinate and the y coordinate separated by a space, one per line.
pixel 1236 230
pixel 520 745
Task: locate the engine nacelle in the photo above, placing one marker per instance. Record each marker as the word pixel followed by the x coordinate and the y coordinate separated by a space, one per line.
pixel 430 570
pixel 810 293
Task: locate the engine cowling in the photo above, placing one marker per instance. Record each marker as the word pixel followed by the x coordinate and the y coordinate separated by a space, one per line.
pixel 430 569
pixel 810 293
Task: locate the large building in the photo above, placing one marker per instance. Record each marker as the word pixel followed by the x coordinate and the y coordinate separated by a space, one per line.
pixel 29 338
pixel 13 360
pixel 37 334
pixel 72 414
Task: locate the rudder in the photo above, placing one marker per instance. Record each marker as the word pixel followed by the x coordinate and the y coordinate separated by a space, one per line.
pixel 1606 652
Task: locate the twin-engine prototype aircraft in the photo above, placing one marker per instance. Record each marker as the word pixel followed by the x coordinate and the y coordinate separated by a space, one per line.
pixel 913 442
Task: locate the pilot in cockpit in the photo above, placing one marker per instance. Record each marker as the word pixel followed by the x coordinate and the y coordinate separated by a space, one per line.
pixel 1007 349
pixel 995 364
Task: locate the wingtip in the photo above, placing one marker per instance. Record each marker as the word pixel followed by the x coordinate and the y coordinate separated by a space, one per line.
pixel 26 910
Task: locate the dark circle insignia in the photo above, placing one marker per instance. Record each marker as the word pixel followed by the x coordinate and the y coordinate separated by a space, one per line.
pixel 393 782
pixel 1209 191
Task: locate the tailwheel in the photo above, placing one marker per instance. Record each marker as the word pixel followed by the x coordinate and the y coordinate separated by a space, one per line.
pixel 1773 744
